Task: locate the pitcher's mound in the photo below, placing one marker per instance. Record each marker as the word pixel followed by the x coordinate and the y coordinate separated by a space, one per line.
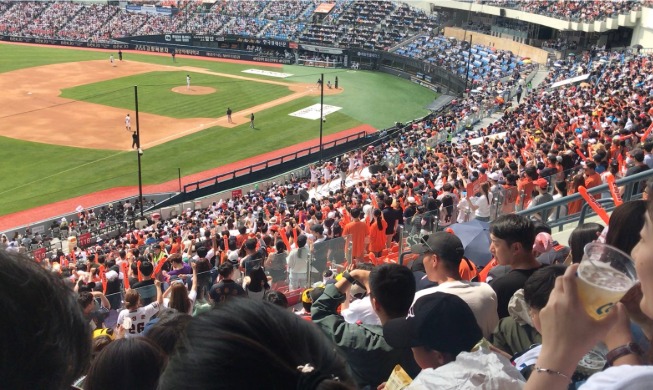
pixel 194 90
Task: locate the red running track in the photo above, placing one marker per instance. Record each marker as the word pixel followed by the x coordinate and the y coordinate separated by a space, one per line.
pixel 46 212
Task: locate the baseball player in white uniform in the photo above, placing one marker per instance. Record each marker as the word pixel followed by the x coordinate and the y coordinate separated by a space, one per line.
pixel 128 123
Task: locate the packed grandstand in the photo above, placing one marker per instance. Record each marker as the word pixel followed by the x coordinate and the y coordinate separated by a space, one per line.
pixel 347 228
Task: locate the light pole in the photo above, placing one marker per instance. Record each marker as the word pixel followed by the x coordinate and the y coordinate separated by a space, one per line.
pixel 139 151
pixel 321 111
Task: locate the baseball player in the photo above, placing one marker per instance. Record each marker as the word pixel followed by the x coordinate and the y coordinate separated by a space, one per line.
pixel 187 81
pixel 128 123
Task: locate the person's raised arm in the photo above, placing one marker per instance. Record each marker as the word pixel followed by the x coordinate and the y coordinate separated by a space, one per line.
pixel 166 292
pixel 159 293
pixel 103 299
pixel 193 286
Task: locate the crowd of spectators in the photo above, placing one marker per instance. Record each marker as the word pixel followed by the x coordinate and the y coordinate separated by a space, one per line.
pixel 47 23
pixel 486 65
pixel 239 8
pixel 19 14
pixel 282 30
pixel 373 25
pixel 86 24
pixel 214 260
pixel 502 326
pixel 287 10
pixel 586 11
pixel 325 34
pixel 404 16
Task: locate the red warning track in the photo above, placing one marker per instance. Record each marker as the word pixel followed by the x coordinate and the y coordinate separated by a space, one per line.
pixel 50 211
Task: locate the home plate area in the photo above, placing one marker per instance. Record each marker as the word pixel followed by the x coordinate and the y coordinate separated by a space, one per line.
pixel 313 112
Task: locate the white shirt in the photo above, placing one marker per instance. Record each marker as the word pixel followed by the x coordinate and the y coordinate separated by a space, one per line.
pixel 463 207
pixel 483 205
pixel 138 318
pixel 622 378
pixel 471 371
pixel 192 295
pixel 296 263
pixel 480 297
pixel 361 310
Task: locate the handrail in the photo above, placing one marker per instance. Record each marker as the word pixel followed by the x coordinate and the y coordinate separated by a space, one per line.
pixel 628 195
pixel 274 161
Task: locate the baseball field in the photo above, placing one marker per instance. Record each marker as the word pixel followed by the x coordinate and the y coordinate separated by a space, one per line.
pixel 63 116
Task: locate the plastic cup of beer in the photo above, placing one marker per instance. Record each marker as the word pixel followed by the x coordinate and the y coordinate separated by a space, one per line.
pixel 605 274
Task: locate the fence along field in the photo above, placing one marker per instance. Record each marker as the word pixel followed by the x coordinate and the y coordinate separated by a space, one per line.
pixel 44 171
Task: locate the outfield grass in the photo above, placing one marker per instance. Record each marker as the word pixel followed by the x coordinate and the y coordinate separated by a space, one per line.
pixel 36 178
pixel 156 97
pixel 36 174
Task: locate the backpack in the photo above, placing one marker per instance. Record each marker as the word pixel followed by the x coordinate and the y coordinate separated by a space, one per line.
pixel 447 206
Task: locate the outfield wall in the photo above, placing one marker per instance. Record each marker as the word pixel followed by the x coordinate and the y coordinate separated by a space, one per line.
pixel 412 69
pixel 153 48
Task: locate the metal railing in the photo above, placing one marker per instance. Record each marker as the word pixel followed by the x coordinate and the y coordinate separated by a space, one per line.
pixel 554 207
pixel 272 162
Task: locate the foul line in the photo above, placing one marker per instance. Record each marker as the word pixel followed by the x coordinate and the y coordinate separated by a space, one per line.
pixel 64 171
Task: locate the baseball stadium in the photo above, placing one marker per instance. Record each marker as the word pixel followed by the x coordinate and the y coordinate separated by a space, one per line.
pixel 341 194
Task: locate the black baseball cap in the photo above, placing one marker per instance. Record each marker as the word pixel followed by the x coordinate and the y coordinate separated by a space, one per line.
pixel 446 245
pixel 441 322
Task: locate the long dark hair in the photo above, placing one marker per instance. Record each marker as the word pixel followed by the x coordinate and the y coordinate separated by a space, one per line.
pixel 625 223
pixel 485 187
pixel 258 280
pixel 138 360
pixel 257 334
pixel 581 236
pixel 379 223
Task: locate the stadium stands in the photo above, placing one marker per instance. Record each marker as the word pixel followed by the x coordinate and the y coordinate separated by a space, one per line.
pixel 587 11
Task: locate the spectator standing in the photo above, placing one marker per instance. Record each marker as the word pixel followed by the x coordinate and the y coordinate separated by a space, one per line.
pixel 275 264
pixel 131 321
pixel 356 232
pixel 377 229
pixel 638 166
pixel 226 288
pixel 592 178
pixel 298 259
pixel 393 217
pixel 543 197
pixel 482 203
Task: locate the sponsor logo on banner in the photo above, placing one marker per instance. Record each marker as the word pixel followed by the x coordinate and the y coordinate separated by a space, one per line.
pixel 313 112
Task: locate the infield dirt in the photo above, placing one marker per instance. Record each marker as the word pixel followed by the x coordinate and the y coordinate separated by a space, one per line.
pixel 33 111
